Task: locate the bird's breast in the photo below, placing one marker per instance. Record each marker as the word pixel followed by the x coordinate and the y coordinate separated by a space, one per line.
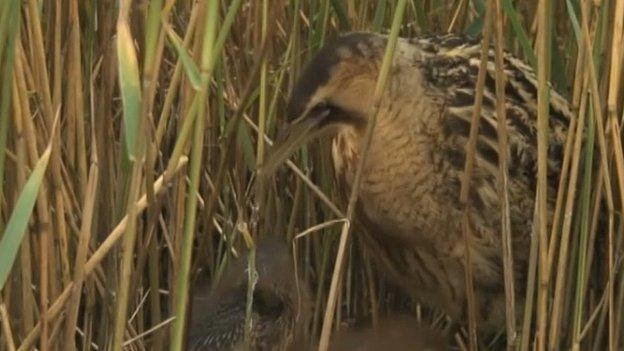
pixel 397 190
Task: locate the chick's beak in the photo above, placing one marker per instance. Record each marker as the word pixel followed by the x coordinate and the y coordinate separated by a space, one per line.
pixel 301 131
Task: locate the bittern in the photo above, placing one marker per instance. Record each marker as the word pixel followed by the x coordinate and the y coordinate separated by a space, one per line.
pixel 396 333
pixel 409 198
pixel 219 315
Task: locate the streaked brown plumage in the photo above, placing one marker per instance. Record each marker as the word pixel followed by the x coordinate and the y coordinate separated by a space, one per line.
pixel 409 196
pixel 396 333
pixel 219 316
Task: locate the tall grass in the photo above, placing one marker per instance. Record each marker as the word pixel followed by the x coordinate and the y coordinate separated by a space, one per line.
pixel 165 111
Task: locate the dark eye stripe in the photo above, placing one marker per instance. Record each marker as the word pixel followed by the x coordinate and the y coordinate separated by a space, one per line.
pixel 340 115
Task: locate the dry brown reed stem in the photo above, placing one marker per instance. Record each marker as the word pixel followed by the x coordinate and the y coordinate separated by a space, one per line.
pixel 174 84
pixel 152 63
pixel 42 87
pixel 557 304
pixel 183 258
pixel 467 175
pixel 46 153
pixel 81 257
pixel 76 99
pixel 459 10
pixel 125 46
pixel 530 287
pixel 382 79
pixel 99 254
pixel 576 127
pixel 262 108
pixel 508 273
pixel 6 328
pixel 151 330
pixel 612 105
pixel 563 181
pixel 604 153
pixel 24 152
pixel 225 157
pixel 543 73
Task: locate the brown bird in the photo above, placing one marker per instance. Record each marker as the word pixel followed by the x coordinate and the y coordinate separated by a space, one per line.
pixel 409 195
pixel 396 333
pixel 219 316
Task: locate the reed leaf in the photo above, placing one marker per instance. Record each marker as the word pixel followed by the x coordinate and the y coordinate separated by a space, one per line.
pixel 18 222
pixel 192 72
pixel 130 87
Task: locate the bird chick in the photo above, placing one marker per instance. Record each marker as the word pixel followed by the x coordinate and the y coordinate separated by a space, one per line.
pixel 397 333
pixel 409 196
pixel 218 321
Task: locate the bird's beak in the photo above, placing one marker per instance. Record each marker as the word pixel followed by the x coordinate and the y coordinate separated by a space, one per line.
pixel 301 131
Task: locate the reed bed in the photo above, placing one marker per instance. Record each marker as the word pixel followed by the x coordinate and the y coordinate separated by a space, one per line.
pixel 131 133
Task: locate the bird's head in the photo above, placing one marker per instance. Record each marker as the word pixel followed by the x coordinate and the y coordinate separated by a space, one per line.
pixel 277 286
pixel 336 89
pixel 218 311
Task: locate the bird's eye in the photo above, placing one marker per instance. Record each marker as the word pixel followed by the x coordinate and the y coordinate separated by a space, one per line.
pixel 320 106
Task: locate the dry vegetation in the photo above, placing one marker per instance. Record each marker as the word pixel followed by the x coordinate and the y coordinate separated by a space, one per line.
pixel 107 104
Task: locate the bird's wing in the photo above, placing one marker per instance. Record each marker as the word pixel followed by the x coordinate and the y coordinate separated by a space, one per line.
pixel 450 65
